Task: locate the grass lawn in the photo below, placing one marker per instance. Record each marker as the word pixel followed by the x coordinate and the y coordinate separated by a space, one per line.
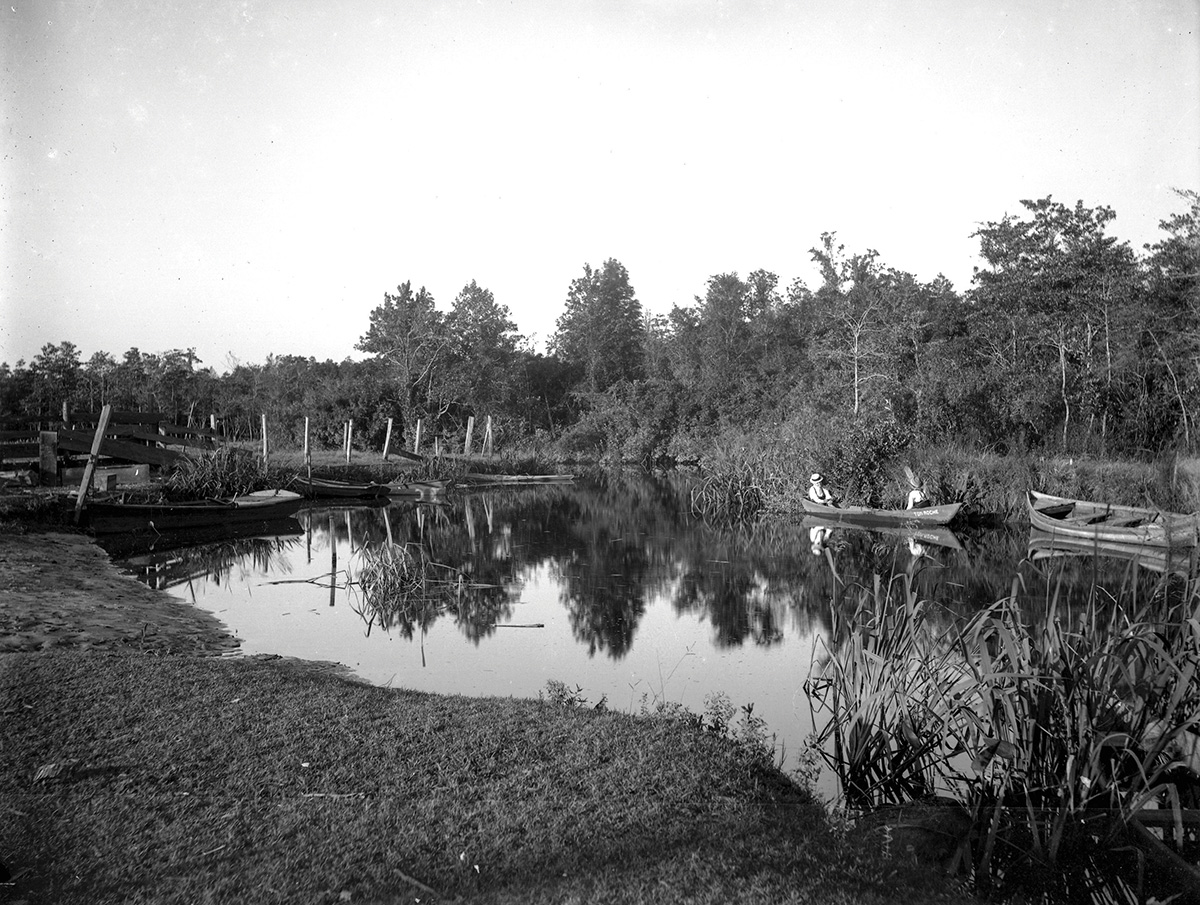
pixel 206 779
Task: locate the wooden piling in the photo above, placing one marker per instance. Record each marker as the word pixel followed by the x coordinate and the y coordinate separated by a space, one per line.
pixel 90 469
pixel 487 437
pixel 307 452
pixel 48 458
pixel 417 438
pixel 349 438
pixel 470 430
pixel 265 453
pixel 387 440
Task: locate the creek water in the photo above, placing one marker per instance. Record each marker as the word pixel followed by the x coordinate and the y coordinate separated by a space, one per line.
pixel 611 587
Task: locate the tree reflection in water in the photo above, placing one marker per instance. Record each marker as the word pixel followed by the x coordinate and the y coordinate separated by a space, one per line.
pixel 614 545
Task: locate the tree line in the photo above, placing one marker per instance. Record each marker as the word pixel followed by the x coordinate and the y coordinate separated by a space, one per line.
pixel 1067 339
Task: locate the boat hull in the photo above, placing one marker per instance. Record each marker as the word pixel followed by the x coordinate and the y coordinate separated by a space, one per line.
pixel 326 488
pixel 863 515
pixel 261 506
pixel 1110 524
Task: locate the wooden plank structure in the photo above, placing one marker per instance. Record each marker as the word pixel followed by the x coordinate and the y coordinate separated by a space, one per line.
pixel 144 438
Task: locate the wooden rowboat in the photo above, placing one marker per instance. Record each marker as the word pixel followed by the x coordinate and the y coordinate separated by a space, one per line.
pixel 109 517
pixel 864 515
pixel 1110 523
pixel 328 487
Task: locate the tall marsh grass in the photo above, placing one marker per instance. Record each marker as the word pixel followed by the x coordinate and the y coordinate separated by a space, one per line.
pixel 227 471
pixel 1050 736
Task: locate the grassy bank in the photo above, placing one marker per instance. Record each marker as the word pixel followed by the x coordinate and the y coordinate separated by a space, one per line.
pixel 204 779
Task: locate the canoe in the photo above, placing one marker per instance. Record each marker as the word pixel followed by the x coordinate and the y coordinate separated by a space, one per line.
pixel 936 535
pixel 864 515
pixel 105 517
pixel 1044 545
pixel 1110 523
pixel 475 477
pixel 328 487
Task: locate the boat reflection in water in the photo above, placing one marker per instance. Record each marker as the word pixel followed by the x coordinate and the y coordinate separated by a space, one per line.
pixel 177 558
pixel 1049 545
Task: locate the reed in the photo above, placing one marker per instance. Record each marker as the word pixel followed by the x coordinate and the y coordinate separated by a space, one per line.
pixel 403 589
pixel 223 472
pixel 1051 736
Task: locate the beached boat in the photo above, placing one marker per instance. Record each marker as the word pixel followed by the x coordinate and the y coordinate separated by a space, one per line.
pixel 936 535
pixel 106 517
pixel 864 515
pixel 328 487
pixel 1044 545
pixel 1110 523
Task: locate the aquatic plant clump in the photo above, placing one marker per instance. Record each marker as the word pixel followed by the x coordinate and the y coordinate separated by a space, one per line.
pixel 224 472
pixel 1050 737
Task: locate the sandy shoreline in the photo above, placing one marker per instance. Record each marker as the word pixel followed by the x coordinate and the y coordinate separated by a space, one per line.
pixel 61 590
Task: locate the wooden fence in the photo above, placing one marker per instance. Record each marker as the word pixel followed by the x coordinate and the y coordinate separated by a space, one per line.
pixel 145 438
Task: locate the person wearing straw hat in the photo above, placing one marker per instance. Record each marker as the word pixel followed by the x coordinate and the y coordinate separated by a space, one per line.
pixel 818 492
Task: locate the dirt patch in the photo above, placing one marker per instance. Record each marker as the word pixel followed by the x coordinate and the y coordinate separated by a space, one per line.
pixel 61 590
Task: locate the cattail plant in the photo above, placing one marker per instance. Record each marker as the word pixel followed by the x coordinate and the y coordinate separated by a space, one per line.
pixel 1053 736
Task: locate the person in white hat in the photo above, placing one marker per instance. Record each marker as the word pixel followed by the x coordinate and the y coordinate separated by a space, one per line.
pixel 818 492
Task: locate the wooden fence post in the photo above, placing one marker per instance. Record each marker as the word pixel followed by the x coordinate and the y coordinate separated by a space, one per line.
pixel 307 452
pixel 487 436
pixel 349 438
pixel 264 441
pixel 470 430
pixel 90 469
pixel 417 438
pixel 48 458
pixel 387 440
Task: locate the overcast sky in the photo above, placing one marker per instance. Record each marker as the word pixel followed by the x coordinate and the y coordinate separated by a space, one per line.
pixel 250 177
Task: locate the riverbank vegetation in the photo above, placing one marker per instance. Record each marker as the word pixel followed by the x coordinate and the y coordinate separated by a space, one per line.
pixel 1068 345
pixel 1040 739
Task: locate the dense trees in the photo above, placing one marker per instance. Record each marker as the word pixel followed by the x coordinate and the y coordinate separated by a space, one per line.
pixel 600 330
pixel 1067 339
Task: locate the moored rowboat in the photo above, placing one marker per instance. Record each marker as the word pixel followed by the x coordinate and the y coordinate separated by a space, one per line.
pixel 928 515
pixel 263 505
pixel 328 487
pixel 1110 523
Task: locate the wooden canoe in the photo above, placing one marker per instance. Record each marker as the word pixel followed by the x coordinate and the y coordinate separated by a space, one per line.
pixel 330 488
pixel 1110 523
pixel 109 517
pixel 864 515
pixel 475 477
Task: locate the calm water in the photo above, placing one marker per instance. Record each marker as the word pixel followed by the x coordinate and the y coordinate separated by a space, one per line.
pixel 612 588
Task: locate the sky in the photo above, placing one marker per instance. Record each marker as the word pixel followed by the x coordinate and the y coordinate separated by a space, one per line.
pixel 250 177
